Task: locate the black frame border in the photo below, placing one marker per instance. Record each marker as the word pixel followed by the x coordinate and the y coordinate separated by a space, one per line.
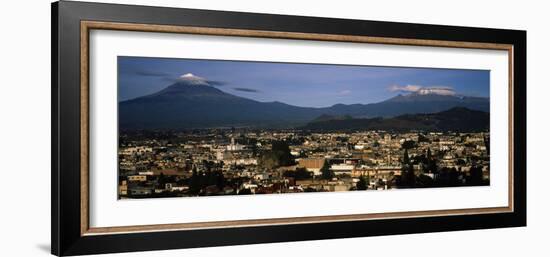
pixel 66 236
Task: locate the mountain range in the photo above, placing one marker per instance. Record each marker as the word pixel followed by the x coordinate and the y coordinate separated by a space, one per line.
pixel 187 104
pixel 455 119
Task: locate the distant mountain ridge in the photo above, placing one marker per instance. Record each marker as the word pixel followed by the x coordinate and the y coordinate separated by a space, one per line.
pixel 187 104
pixel 455 119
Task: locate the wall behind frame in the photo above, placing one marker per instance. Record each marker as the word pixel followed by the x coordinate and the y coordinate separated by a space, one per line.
pixel 25 130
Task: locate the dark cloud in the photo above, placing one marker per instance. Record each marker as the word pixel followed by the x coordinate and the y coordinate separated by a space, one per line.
pixel 244 89
pixel 164 76
pixel 212 83
pixel 151 73
pixel 216 83
pixel 170 79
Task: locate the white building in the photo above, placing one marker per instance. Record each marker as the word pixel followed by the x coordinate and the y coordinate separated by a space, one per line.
pixel 342 168
pixel 234 147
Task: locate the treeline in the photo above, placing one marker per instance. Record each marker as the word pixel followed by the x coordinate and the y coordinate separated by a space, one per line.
pixel 442 177
pixel 200 180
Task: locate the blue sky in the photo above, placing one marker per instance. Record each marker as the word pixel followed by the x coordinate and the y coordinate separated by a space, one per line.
pixel 311 85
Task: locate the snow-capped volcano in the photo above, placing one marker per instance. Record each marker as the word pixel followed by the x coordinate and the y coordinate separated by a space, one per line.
pixel 191 79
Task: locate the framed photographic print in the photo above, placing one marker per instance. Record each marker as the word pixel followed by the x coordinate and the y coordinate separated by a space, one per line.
pixel 178 128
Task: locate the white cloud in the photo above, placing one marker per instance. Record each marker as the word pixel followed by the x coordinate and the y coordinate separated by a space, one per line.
pixel 439 90
pixel 407 88
pixel 344 92
pixel 193 79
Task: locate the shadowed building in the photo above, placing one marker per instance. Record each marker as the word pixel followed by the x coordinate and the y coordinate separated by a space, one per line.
pixel 312 165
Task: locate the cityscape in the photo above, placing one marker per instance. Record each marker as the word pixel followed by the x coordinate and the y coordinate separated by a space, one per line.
pixel 203 137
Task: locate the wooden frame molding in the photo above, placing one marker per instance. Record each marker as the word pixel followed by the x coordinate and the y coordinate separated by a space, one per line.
pixel 85 28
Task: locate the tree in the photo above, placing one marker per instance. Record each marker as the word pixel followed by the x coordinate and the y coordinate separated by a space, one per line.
pixel 431 165
pixel 278 156
pixel 408 144
pixel 253 143
pixel 220 180
pixel 299 173
pixel 406 159
pixel 476 176
pixel 454 177
pixel 194 183
pixel 448 177
pixel 407 178
pixel 161 181
pixel 208 165
pixel 268 160
pixel 363 183
pixel 424 181
pixel 326 173
pixel 487 144
pixel 282 152
pixel 310 190
pixel 211 178
pixel 245 191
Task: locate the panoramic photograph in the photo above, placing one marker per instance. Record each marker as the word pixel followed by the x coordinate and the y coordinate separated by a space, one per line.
pixel 193 127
